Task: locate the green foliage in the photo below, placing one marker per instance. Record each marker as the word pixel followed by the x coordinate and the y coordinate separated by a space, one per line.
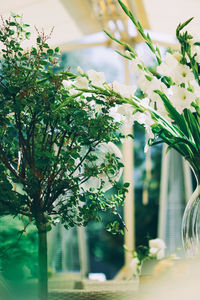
pixel 48 134
pixel 142 252
pixel 9 201
pixel 18 250
pixel 140 29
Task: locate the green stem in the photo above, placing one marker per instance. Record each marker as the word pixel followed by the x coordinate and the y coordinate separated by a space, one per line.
pixel 42 262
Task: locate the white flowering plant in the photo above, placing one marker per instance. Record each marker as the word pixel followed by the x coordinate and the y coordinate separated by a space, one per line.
pixel 169 107
pixel 154 251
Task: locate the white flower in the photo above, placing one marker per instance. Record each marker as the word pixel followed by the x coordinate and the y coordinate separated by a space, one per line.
pixel 167 67
pixel 95 107
pixel 97 78
pixel 113 112
pixel 126 110
pixel 172 68
pixel 157 243
pixel 182 74
pixel 145 102
pixel 162 110
pixel 79 70
pixel 123 89
pixel 140 118
pixel 195 88
pixel 177 55
pixel 73 92
pixel 158 254
pixel 101 151
pixel 149 86
pixel 182 98
pixel 67 83
pixel 81 82
pixel 157 248
pixel 144 118
pixel 135 266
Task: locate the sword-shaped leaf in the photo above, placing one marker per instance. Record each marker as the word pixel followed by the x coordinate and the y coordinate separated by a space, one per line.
pixel 193 126
pixel 174 114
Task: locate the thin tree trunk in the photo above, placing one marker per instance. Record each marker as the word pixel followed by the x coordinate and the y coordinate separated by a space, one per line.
pixel 42 262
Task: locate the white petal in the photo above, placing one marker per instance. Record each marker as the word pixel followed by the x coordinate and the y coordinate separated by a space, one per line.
pixel 81 82
pixel 97 78
pixel 123 89
pixel 157 243
pixel 79 70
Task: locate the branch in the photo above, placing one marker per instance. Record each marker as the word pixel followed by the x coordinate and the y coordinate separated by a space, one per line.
pixel 7 163
pixel 84 157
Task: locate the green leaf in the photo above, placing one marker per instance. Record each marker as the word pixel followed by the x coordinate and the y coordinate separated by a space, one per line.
pixel 33 51
pixel 46 45
pixel 155 143
pixel 149 78
pixel 50 51
pixel 181 26
pixel 14 15
pixel 174 114
pixel 193 126
pixel 67 101
pixel 12 23
pixel 127 11
pixel 187 146
pixel 139 27
pixel 127 46
pixel 27 34
pixel 123 55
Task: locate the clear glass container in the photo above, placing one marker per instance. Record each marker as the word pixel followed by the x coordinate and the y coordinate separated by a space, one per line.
pixel 191 216
pixel 191 225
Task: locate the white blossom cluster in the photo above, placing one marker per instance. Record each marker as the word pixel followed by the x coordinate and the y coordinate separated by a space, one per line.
pixel 156 251
pixel 157 248
pixel 174 79
pixel 182 91
pixel 123 112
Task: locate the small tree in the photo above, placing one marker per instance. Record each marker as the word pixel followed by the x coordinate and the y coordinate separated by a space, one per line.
pixel 49 133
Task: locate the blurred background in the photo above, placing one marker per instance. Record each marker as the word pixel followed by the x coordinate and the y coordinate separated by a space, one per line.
pixel 160 184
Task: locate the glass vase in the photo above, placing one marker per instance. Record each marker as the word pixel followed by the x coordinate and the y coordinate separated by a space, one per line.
pixel 191 216
pixel 191 225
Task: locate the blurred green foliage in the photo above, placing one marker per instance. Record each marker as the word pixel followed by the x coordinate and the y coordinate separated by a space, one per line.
pixel 18 249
